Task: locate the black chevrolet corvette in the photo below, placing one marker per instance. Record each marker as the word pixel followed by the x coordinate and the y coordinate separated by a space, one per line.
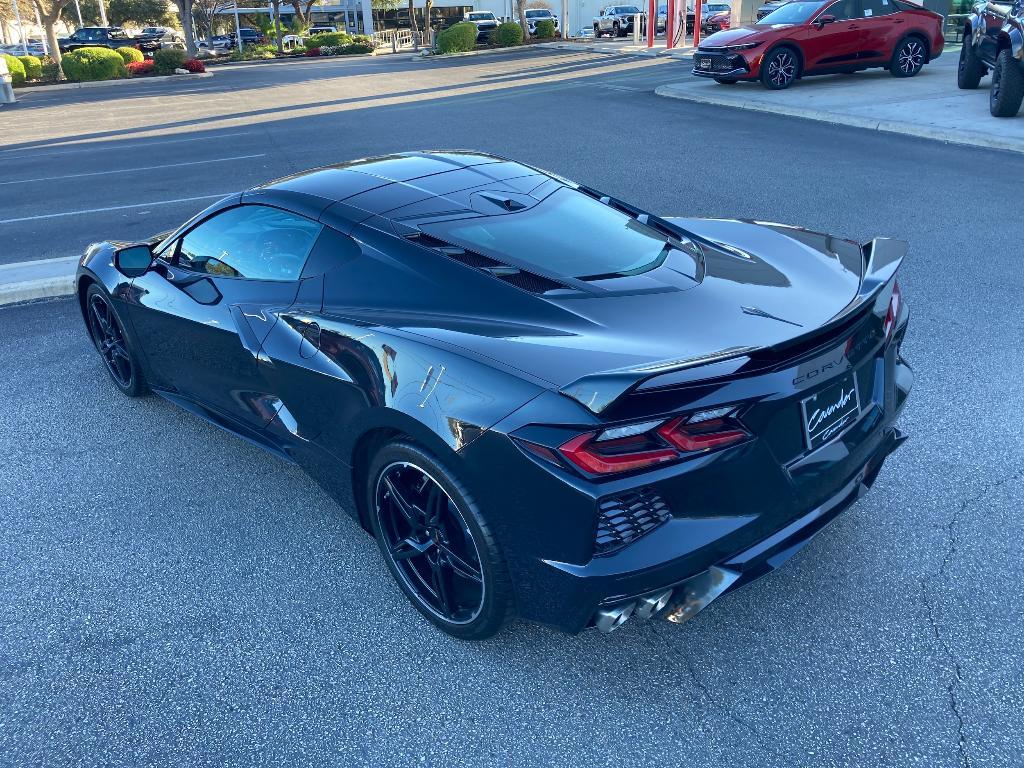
pixel 541 400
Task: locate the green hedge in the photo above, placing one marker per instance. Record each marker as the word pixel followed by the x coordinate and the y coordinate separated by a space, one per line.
pixel 328 40
pixel 130 54
pixel 457 38
pixel 507 35
pixel 33 67
pixel 93 63
pixel 16 68
pixel 545 28
pixel 166 60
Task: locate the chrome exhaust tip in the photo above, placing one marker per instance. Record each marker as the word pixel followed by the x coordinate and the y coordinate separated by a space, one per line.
pixel 650 605
pixel 609 619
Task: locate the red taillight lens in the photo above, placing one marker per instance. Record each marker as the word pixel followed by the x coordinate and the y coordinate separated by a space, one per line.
pixel 703 436
pixel 892 314
pixel 659 442
pixel 608 456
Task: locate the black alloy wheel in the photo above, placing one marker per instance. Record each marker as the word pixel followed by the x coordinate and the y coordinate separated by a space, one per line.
pixel 779 69
pixel 1007 92
pixel 970 69
pixel 112 344
pixel 908 58
pixel 436 545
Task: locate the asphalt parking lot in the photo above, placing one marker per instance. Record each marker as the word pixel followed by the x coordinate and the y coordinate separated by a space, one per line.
pixel 170 595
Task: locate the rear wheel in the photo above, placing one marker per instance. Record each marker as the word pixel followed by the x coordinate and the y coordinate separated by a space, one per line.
pixel 1007 86
pixel 908 58
pixel 971 69
pixel 436 544
pixel 112 343
pixel 779 69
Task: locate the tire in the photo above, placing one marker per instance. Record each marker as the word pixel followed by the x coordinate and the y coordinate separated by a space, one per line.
pixel 1007 86
pixel 908 58
pixel 597 32
pixel 107 333
pixel 456 553
pixel 725 81
pixel 780 68
pixel 971 69
pixel 616 30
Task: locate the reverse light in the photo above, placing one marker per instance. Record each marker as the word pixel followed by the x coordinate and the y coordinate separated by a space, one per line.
pixel 893 312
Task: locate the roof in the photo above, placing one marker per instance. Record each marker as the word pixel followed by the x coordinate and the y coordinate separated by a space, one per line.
pixel 410 185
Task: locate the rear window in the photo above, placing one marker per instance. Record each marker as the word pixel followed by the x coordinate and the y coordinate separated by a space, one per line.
pixel 566 235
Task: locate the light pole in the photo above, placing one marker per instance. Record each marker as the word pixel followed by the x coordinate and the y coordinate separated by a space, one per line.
pixel 78 10
pixel 103 13
pixel 21 29
pixel 238 31
pixel 39 23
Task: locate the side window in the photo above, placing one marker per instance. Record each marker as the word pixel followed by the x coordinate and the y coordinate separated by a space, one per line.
pixel 845 9
pixel 254 242
pixel 872 8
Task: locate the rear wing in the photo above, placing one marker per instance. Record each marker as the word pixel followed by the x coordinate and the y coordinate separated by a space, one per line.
pixel 597 391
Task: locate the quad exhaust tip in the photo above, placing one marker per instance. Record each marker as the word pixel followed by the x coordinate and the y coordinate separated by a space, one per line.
pixel 609 619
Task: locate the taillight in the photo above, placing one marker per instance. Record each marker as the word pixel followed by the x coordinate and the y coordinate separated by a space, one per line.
pixel 649 443
pixel 892 314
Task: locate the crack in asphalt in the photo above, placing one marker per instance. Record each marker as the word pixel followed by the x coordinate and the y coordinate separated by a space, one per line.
pixel 956 705
pixel 721 706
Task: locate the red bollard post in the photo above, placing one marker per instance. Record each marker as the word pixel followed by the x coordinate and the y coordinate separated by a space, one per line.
pixel 696 23
pixel 670 26
pixel 652 21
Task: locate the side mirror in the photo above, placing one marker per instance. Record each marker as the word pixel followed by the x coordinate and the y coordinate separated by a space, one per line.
pixel 823 20
pixel 133 260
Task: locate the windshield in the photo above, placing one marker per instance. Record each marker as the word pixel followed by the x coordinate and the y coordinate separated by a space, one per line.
pixel 792 13
pixel 568 235
pixel 628 9
pixel 481 16
pixel 538 14
pixel 714 8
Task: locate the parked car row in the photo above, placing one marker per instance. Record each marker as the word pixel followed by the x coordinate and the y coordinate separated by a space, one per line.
pixel 618 20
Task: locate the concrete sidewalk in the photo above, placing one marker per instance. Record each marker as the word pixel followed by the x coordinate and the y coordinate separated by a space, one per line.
pixel 928 105
pixel 37 279
pixel 623 47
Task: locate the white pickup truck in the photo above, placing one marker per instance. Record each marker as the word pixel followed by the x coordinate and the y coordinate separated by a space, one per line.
pixel 485 21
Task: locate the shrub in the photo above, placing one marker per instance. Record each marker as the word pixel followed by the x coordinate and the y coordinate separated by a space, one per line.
pixel 93 63
pixel 545 28
pixel 16 68
pixel 195 66
pixel 166 60
pixel 328 40
pixel 137 68
pixel 457 38
pixel 130 54
pixel 33 67
pixel 507 34
pixel 312 52
pixel 50 71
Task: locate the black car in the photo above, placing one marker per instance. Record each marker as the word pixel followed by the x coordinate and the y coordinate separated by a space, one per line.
pixel 994 40
pixel 769 7
pixel 107 37
pixel 540 399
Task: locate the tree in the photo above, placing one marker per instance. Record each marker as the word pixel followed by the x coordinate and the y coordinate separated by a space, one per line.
pixel 412 23
pixel 90 13
pixel 8 19
pixel 276 10
pixel 185 14
pixel 380 8
pixel 205 12
pixel 49 15
pixel 521 10
pixel 302 8
pixel 138 13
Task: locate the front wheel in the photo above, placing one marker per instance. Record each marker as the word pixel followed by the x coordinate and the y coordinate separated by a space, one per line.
pixel 971 69
pixel 779 69
pixel 908 58
pixel 112 343
pixel 1007 86
pixel 436 543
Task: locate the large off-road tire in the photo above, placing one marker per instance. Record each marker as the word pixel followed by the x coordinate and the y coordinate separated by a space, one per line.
pixel 107 332
pixel 1007 86
pixel 436 542
pixel 971 69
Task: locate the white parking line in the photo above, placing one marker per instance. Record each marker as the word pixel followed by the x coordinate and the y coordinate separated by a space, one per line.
pixel 130 170
pixel 85 145
pixel 111 208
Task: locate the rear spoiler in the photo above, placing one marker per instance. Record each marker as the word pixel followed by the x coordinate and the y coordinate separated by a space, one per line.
pixel 597 391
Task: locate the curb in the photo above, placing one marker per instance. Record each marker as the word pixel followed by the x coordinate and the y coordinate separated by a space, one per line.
pixel 486 51
pixel 46 288
pixel 101 83
pixel 972 139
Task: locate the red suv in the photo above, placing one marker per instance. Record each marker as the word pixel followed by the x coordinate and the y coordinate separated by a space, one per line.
pixel 817 38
